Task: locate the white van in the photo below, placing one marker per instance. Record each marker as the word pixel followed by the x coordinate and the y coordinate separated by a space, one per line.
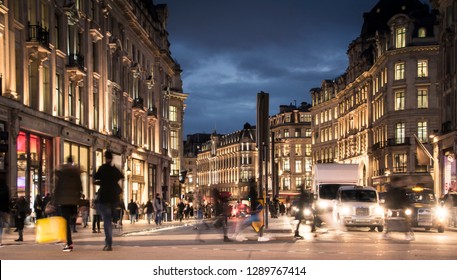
pixel 357 206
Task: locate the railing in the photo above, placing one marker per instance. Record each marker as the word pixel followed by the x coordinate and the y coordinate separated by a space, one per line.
pixel 446 127
pixel 152 111
pixel 398 141
pixel 138 102
pixel 76 60
pixel 36 33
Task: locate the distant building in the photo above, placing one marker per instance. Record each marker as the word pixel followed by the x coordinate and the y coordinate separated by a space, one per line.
pixel 386 97
pixel 228 163
pixel 291 149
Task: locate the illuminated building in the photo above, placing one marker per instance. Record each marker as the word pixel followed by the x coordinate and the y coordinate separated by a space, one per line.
pixel 372 113
pixel 81 77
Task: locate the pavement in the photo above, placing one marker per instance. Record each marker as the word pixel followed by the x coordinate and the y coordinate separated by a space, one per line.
pixel 278 229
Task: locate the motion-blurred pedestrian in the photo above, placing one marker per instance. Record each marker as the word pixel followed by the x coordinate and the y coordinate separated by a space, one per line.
pixel 108 176
pixel 67 194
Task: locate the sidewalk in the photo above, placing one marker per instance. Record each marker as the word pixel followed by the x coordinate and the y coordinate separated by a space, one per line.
pixel 278 229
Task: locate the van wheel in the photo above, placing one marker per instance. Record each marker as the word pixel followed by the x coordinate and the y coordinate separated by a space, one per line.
pixel 427 228
pixel 440 229
pixel 380 228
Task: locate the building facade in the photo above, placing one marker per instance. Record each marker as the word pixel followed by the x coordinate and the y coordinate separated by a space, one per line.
pixel 228 163
pixel 445 139
pixel 291 149
pixel 386 103
pixel 82 77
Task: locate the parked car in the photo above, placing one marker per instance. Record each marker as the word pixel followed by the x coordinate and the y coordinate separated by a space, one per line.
pixel 426 211
pixel 449 202
pixel 358 206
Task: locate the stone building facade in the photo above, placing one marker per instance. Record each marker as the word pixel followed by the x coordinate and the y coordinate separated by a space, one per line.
pixel 386 98
pixel 81 77
pixel 291 149
pixel 445 138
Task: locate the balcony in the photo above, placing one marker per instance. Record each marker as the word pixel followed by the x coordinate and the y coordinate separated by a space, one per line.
pixel 446 127
pixel 38 34
pixel 398 141
pixel 138 103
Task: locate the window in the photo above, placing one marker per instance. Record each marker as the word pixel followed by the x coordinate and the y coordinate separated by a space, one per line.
pixel 422 68
pixel 308 150
pixel 173 114
pixel 299 182
pixel 400 133
pixel 174 140
pixel 400 37
pixel 298 150
pixel 399 71
pixel 422 32
pixel 399 100
pixel 286 183
pixel 422 131
pixel 297 132
pixel 286 165
pixel 59 95
pixel 400 163
pixel 298 166
pixel 286 133
pixel 308 132
pixel 422 98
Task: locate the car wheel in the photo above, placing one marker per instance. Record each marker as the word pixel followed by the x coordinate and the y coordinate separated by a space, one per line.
pixel 440 229
pixel 427 228
pixel 380 228
pixel 372 228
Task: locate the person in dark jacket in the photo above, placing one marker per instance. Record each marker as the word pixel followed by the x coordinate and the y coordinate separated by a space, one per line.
pixel 305 200
pixel 4 203
pixel 67 194
pixel 108 176
pixel 133 211
pixel 149 210
pixel 22 208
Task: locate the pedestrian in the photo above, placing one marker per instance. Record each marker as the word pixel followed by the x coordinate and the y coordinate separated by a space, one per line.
pixel 282 208
pixel 37 206
pixel 221 209
pixel 305 200
pixel 256 211
pixel 108 176
pixel 158 209
pixel 95 215
pixel 4 204
pixel 121 211
pixel 180 210
pixel 22 209
pixel 149 210
pixel 84 206
pixel 397 199
pixel 133 211
pixel 46 200
pixel 67 194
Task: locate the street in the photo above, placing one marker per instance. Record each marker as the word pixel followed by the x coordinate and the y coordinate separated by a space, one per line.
pixel 177 241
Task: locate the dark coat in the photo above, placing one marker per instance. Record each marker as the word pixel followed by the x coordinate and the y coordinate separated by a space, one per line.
pixel 69 186
pixel 107 177
pixel 133 208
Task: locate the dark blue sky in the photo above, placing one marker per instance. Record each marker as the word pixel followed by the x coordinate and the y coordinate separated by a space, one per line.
pixel 230 50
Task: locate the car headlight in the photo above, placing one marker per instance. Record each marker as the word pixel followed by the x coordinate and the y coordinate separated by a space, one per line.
pixel 323 204
pixel 345 210
pixel 294 208
pixel 440 212
pixel 408 212
pixel 379 211
pixel 307 212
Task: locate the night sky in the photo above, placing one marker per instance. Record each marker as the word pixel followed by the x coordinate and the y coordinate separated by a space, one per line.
pixel 229 50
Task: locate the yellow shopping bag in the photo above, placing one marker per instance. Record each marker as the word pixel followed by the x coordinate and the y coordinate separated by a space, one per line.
pixel 51 230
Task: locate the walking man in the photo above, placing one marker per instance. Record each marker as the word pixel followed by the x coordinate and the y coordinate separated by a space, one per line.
pixel 108 176
pixel 158 209
pixel 67 193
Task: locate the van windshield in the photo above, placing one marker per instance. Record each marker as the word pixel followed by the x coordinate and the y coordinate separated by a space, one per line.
pixel 328 191
pixel 359 195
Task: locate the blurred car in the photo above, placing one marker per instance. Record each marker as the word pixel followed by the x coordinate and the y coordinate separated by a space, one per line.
pixel 358 206
pixel 426 211
pixel 449 202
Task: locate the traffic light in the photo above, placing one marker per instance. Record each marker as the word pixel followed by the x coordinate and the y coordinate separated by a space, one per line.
pixel 182 176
